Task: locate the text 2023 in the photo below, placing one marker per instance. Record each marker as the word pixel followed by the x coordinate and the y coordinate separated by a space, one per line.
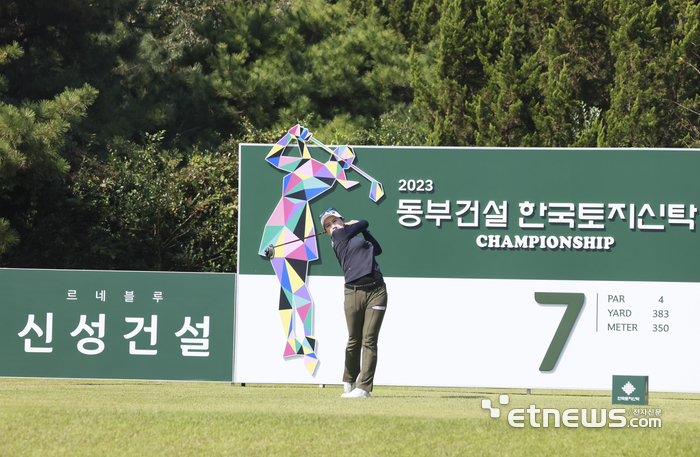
pixel 416 185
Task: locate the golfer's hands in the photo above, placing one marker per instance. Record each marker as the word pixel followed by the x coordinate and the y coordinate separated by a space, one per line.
pixel 351 222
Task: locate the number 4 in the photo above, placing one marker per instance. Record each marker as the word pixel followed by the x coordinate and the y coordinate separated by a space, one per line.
pixel 574 302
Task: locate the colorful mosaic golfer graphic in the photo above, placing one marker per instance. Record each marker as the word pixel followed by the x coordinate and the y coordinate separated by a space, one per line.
pixel 289 238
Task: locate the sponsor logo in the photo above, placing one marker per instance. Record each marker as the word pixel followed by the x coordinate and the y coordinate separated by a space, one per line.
pixel 573 417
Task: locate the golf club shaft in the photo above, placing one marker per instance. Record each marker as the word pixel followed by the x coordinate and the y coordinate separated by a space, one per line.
pixel 330 151
pixel 300 239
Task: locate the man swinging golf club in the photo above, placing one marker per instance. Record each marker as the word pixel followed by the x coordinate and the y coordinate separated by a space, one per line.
pixel 365 299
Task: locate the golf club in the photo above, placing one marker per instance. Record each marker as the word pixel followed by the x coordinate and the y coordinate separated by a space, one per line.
pixel 270 249
pixel 376 189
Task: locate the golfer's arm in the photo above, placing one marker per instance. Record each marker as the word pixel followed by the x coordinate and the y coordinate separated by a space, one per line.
pixel 377 248
pixel 355 228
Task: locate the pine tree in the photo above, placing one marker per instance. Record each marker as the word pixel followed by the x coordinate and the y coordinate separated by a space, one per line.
pixel 8 236
pixel 456 75
pixel 687 97
pixel 31 135
pixel 400 17
pixel 554 116
pixel 502 110
pixel 577 40
pixel 425 16
pixel 650 75
pixel 501 114
pixel 274 66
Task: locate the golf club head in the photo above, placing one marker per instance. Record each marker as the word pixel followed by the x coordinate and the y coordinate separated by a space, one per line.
pixel 376 191
pixel 270 252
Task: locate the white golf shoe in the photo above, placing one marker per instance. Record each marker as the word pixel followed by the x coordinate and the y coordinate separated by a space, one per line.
pixel 348 387
pixel 357 393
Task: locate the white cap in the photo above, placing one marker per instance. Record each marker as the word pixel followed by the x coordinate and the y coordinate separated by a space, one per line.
pixel 330 212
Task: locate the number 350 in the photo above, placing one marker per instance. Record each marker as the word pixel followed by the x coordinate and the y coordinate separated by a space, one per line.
pixel 413 185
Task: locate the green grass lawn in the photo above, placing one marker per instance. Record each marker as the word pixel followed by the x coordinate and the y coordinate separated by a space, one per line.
pixel 102 418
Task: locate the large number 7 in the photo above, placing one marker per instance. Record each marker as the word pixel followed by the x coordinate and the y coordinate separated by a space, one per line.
pixel 574 302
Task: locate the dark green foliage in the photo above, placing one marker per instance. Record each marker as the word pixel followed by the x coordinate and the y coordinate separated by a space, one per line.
pixel 8 236
pixel 85 183
pixel 652 74
pixel 154 209
pixel 687 100
pixel 274 64
pixel 425 16
pixel 558 73
pixel 32 137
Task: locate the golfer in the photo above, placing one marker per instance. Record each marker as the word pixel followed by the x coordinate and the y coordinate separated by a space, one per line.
pixel 365 299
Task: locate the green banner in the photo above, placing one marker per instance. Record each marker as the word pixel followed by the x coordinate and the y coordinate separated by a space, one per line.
pixel 630 390
pixel 116 325
pixel 582 214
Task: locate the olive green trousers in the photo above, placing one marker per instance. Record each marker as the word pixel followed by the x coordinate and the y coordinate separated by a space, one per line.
pixel 364 313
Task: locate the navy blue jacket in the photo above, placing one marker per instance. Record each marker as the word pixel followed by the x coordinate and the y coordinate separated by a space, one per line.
pixel 356 254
